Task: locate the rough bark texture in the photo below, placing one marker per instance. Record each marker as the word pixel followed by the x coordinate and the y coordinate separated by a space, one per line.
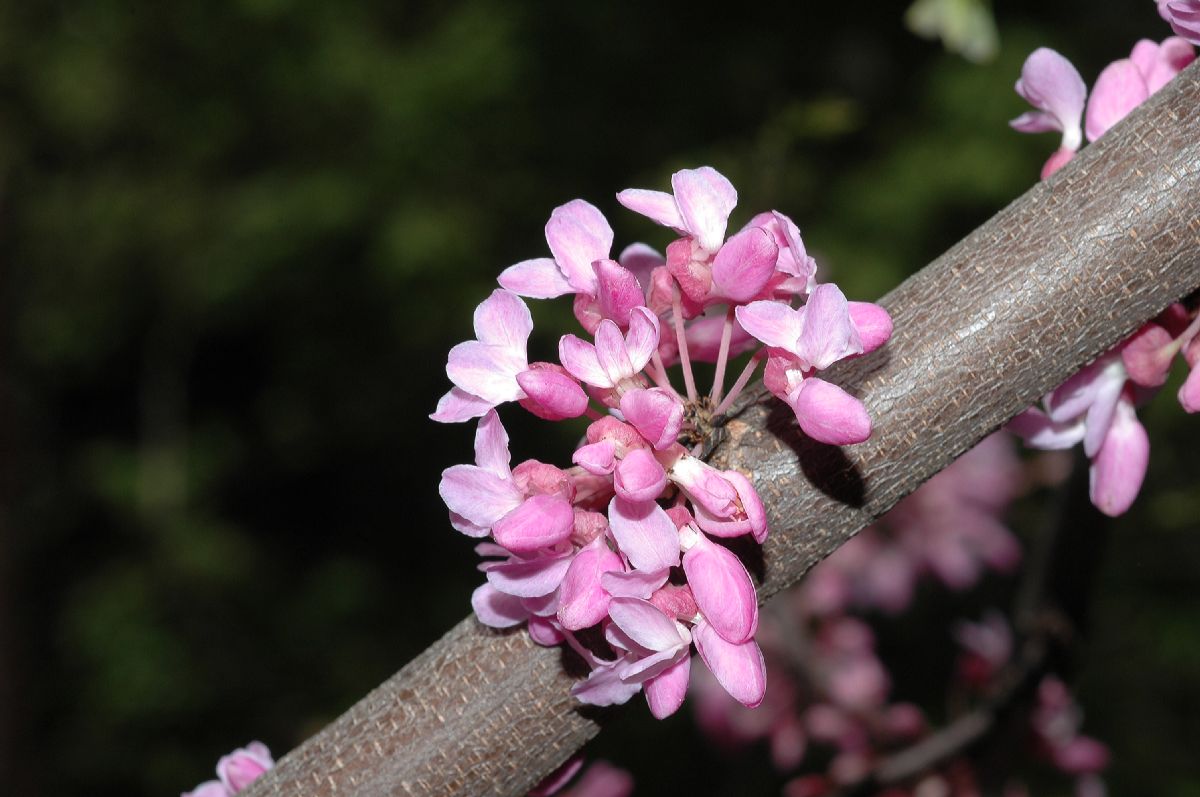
pixel 1047 284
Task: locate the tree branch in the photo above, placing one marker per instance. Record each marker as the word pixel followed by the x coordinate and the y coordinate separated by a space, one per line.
pixel 1051 281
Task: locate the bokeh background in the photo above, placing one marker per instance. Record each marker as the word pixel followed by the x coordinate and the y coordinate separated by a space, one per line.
pixel 237 239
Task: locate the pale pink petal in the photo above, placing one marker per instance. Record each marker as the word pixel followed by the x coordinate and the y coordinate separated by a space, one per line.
pixel 545 632
pixel 539 522
pixel 244 766
pixel 657 206
pixel 646 624
pixel 635 583
pixel 496 609
pixel 665 692
pixel 873 324
pixel 656 413
pixel 639 476
pixel 644 668
pixel 740 669
pixel 487 371
pixel 644 533
pixel 705 199
pixel 583 601
pixel 539 278
pixel 745 264
pixel 1119 89
pixel 829 414
pixel 1038 431
pixel 1184 16
pixel 604 687
pixel 1144 55
pixel 618 291
pixel 747 516
pixel 551 394
pixel 1050 83
pixel 828 334
pixel 1058 159
pixel 1074 396
pixel 503 320
pixel 458 405
pixel 530 578
pixel 478 495
pixel 209 788
pixel 705 485
pixel 580 359
pixel 774 323
pixel 1104 405
pixel 1035 122
pixel 611 354
pixel 722 589
pixel 599 458
pixel 641 260
pixel 1173 55
pixel 642 339
pixel 579 235
pixel 491 445
pixel 1119 467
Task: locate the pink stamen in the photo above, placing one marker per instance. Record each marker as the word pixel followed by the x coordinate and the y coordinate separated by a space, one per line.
pixel 736 390
pixel 722 357
pixel 689 381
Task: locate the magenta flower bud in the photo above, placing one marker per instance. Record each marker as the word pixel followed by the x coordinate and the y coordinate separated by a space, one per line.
pixel 740 669
pixel 597 458
pixel 829 414
pixel 656 413
pixel 680 515
pixel 639 476
pixel 619 291
pixel 721 586
pixel 676 601
pixel 243 766
pixel 691 270
pixel 665 692
pixel 609 428
pixel 1119 467
pixel 705 485
pixel 551 393
pixel 538 478
pixel 583 601
pixel 748 516
pixel 539 522
pixel 588 526
pixel 744 265
pixel 1060 158
pixel 1147 355
pixel 872 322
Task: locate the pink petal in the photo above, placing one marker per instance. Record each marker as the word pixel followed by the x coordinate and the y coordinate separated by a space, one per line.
pixel 618 291
pixel 1060 158
pixel 657 206
pixel 545 632
pixel 556 780
pixel 1073 397
pixel 1050 83
pixel 503 320
pixel 774 323
pixel 539 278
pixel 1119 89
pixel 635 583
pixel 740 669
pixel 579 235
pixel 604 687
pixel 642 339
pixel 1104 404
pixel 722 589
pixel 478 495
pixel 656 413
pixel 598 458
pixel 539 522
pixel 1189 391
pixel 458 405
pixel 530 578
pixel 210 788
pixel 644 533
pixel 1038 431
pixel 873 324
pixel 496 609
pixel 829 414
pixel 583 600
pixel 745 264
pixel 705 199
pixel 1035 122
pixel 580 359
pixel 641 260
pixel 603 780
pixel 639 476
pixel 611 354
pixel 491 446
pixel 551 394
pixel 747 516
pixel 1120 465
pixel 244 766
pixel 1147 355
pixel 705 485
pixel 1172 56
pixel 487 371
pixel 645 624
pixel 828 334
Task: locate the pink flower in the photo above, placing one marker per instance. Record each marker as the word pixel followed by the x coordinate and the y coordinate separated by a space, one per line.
pixel 699 208
pixel 1052 85
pixel 1126 83
pixel 615 361
pixel 236 771
pixel 1183 16
pixel 578 235
pixel 484 371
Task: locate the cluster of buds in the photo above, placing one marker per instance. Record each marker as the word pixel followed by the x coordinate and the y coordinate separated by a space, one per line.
pixel 236 771
pixel 1097 405
pixel 619 556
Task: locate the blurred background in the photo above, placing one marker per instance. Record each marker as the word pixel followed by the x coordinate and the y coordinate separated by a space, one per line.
pixel 237 240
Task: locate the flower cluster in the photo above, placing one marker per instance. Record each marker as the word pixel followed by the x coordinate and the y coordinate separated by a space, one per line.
pixel 619 555
pixel 1097 405
pixel 236 771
